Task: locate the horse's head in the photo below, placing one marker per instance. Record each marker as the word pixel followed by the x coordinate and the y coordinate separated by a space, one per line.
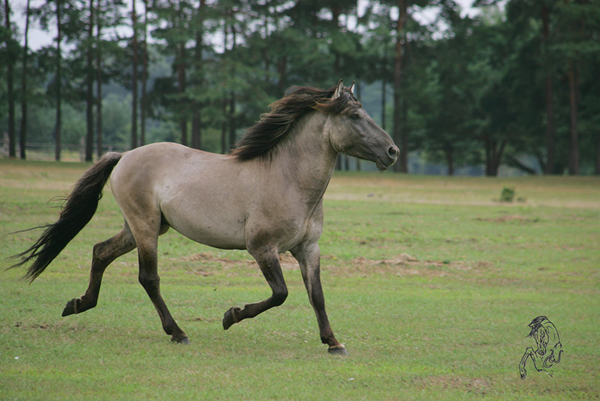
pixel 353 132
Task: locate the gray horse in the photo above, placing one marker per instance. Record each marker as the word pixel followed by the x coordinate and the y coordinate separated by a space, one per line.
pixel 265 197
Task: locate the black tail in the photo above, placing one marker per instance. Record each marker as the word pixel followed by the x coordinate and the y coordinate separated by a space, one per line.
pixel 78 210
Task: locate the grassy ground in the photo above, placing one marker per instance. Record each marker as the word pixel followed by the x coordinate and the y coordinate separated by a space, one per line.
pixel 429 281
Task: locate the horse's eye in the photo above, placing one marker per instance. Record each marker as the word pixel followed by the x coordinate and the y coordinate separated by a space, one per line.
pixel 354 116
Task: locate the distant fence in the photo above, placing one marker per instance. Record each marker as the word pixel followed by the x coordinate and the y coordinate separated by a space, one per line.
pixel 76 153
pixel 46 151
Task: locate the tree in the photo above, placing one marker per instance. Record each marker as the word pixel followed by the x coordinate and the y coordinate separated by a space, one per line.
pixel 58 81
pixel 99 49
pixel 24 95
pixel 549 91
pixel 401 138
pixel 175 31
pixel 134 80
pixel 144 100
pixel 110 57
pixel 68 81
pixel 197 77
pixel 532 29
pixel 556 42
pixel 377 48
pixel 11 51
pixel 89 96
pixel 576 19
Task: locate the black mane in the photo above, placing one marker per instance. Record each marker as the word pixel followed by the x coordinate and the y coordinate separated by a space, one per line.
pixel 275 125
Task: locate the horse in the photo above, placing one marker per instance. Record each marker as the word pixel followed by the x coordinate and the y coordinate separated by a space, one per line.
pixel 265 197
pixel 549 347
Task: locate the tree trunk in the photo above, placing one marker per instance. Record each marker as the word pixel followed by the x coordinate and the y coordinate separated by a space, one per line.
pixel 232 99
pixel 598 155
pixel 196 128
pixel 400 137
pixel 89 140
pixel 224 147
pixel 550 127
pixel 493 155
pixel 10 84
pixel 404 122
pixel 144 100
pixel 58 145
pixel 196 117
pixel 489 160
pixel 181 81
pixel 383 90
pixel 24 97
pixel 281 72
pixel 358 93
pixel 231 119
pixel 99 79
pixel 342 160
pixel 224 128
pixel 134 89
pixel 449 151
pixel 573 78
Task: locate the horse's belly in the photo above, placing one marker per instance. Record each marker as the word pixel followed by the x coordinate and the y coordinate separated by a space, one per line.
pixel 215 238
pixel 213 226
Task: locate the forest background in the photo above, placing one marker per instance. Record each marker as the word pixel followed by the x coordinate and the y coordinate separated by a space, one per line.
pixel 513 84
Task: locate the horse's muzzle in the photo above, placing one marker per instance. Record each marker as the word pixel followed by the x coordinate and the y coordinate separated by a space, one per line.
pixel 383 163
pixel 393 153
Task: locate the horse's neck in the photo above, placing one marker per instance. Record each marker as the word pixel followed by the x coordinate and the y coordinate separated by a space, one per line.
pixel 307 157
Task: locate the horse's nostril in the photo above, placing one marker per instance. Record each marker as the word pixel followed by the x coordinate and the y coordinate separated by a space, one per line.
pixel 392 152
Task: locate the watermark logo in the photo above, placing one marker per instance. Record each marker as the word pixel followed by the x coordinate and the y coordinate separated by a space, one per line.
pixel 549 348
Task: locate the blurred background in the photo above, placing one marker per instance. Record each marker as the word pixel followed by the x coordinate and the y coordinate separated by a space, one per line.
pixel 464 87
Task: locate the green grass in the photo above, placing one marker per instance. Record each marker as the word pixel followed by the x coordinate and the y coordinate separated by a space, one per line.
pixel 429 281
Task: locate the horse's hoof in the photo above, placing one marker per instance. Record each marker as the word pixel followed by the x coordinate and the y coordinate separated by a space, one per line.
pixel 229 318
pixel 338 350
pixel 181 340
pixel 71 308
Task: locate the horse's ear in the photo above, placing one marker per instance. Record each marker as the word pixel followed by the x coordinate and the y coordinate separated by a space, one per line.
pixel 352 87
pixel 338 90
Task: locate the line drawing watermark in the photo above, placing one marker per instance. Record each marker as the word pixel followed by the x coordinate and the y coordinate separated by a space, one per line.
pixel 549 347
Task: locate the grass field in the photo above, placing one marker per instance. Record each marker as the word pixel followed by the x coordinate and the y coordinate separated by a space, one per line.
pixel 430 282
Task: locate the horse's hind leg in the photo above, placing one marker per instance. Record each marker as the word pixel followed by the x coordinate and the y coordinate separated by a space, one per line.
pixel 147 254
pixel 104 253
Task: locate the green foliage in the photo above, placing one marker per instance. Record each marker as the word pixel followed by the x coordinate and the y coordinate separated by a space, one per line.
pixel 473 86
pixel 507 194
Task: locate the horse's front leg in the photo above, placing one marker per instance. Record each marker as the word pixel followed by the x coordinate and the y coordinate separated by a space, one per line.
pixel 268 261
pixel 309 259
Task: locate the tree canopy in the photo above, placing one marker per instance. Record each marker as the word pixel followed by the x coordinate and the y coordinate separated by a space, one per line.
pixel 514 83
